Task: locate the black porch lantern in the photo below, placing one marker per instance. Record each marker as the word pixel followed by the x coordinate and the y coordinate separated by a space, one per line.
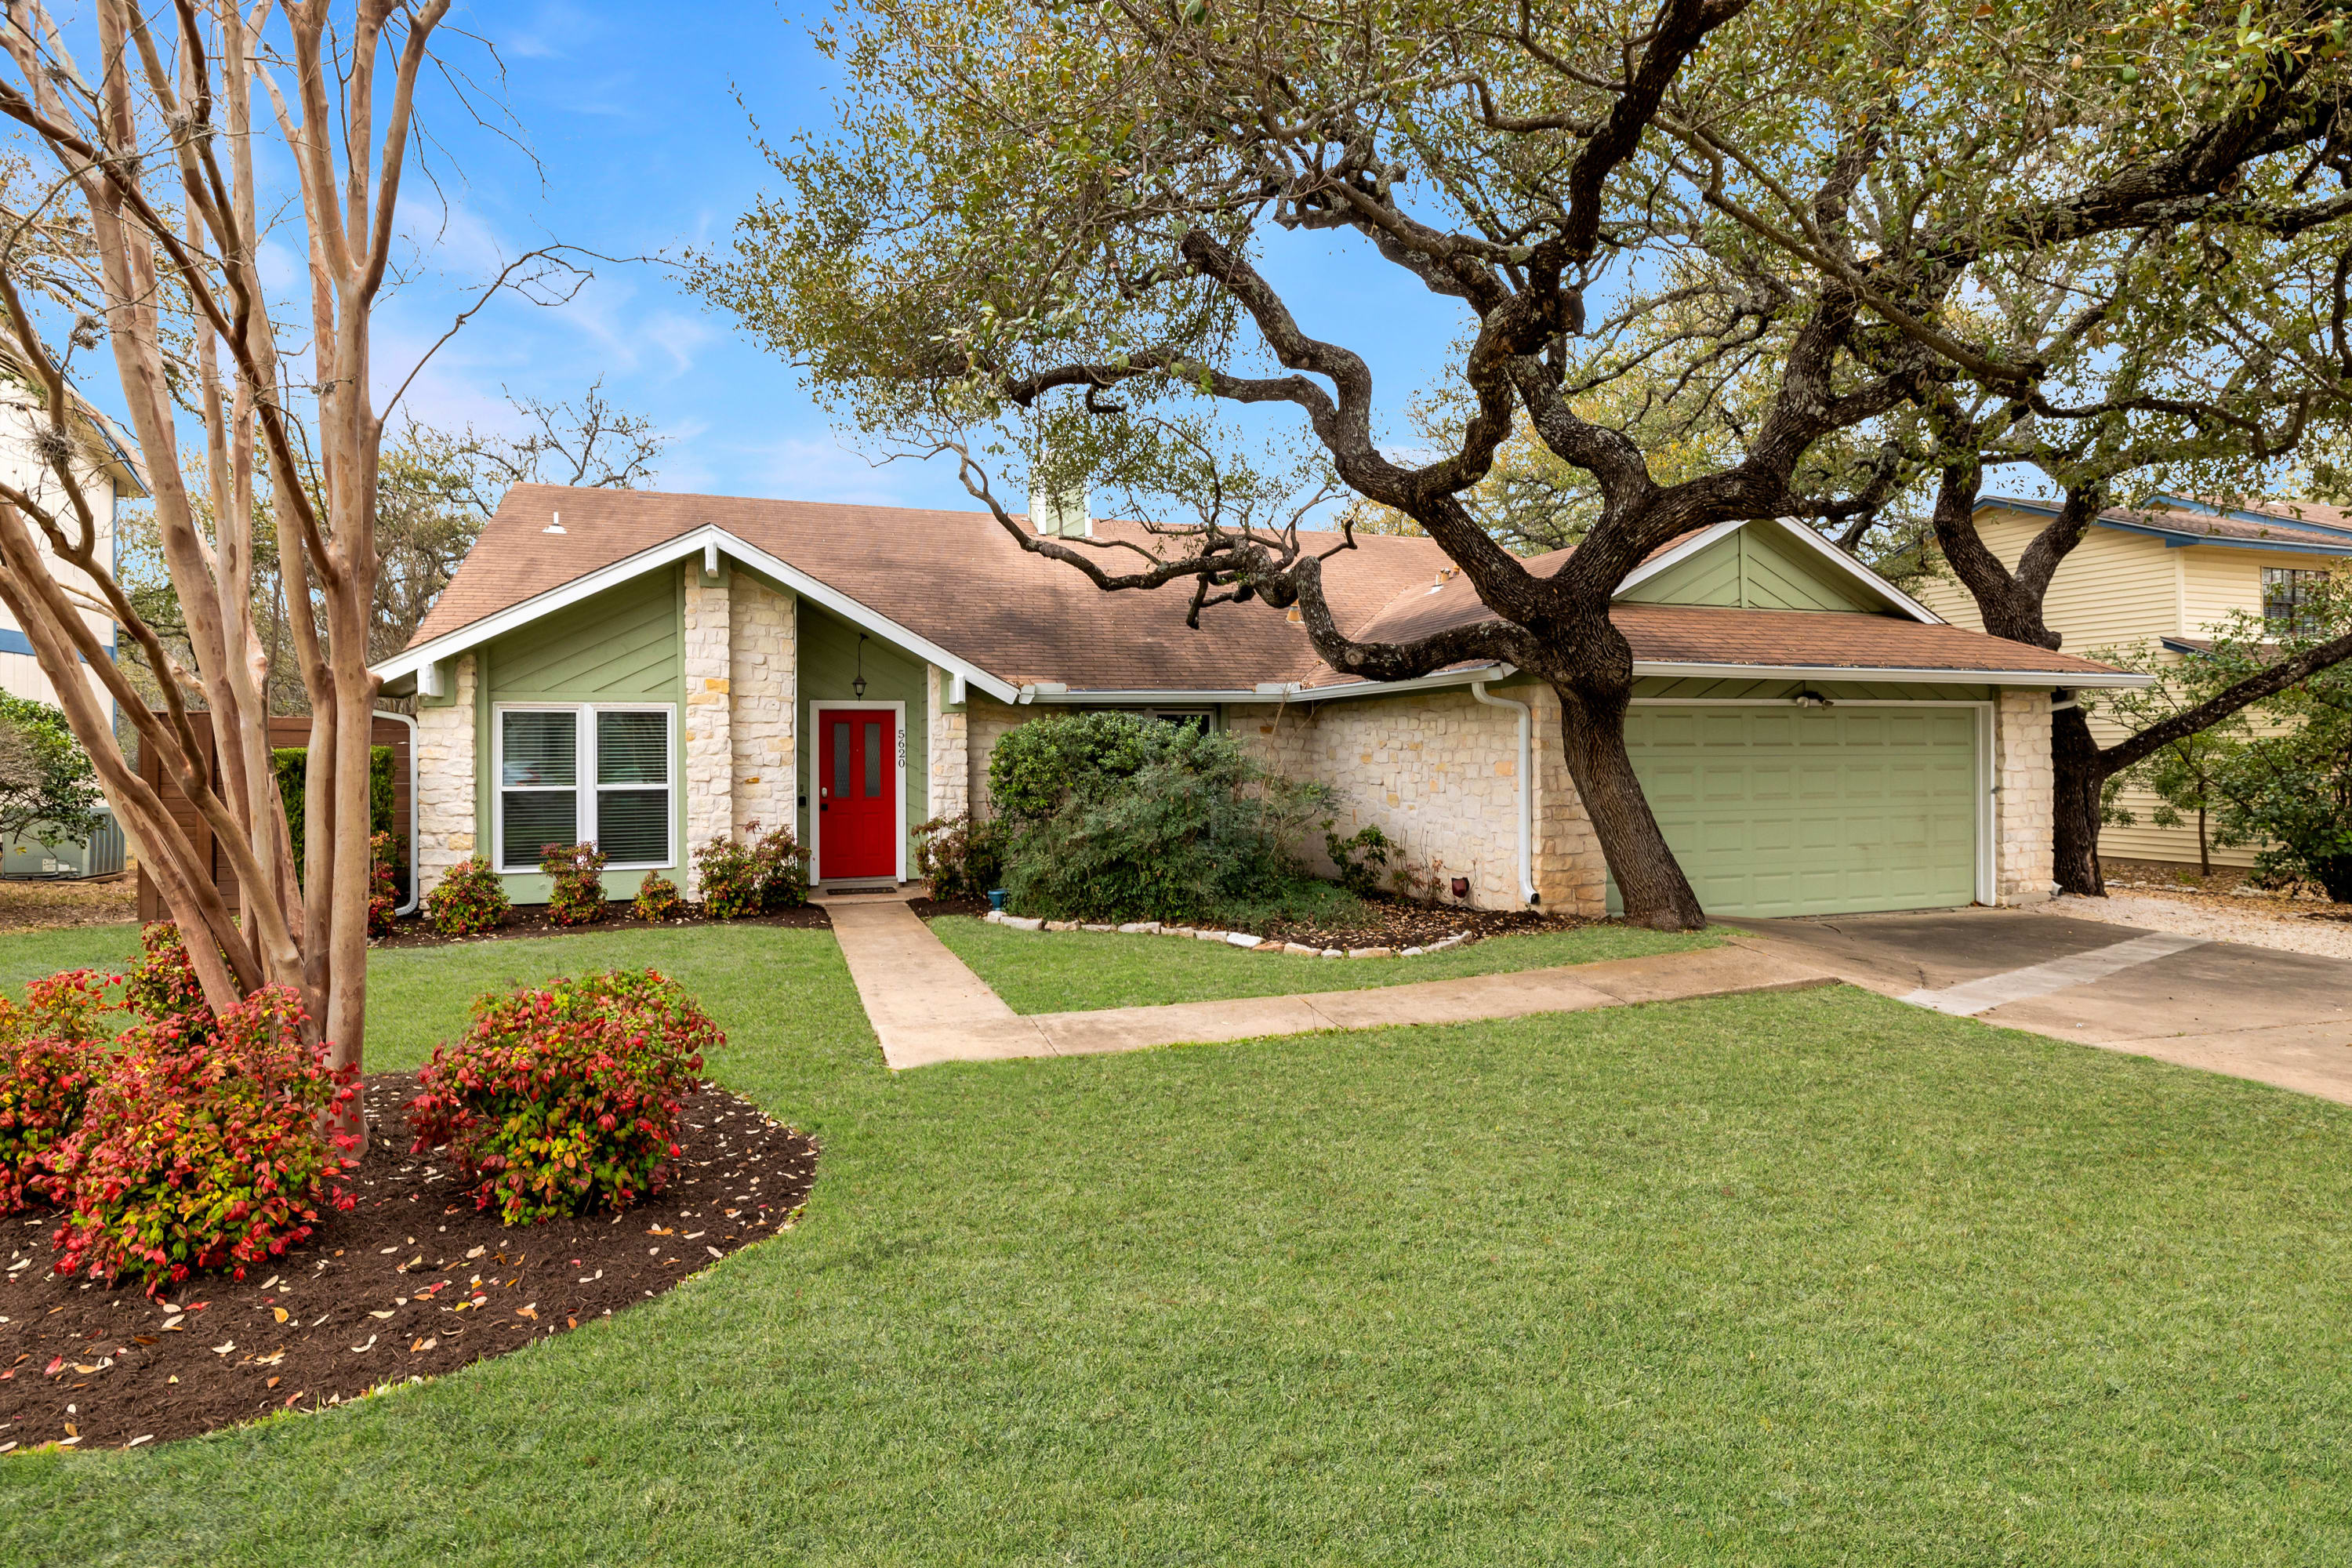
pixel 858 686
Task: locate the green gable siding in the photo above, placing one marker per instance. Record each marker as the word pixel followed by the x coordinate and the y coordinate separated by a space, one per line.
pixel 1755 569
pixel 625 645
pixel 828 663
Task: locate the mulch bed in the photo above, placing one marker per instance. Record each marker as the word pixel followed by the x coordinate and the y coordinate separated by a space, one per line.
pixel 1385 922
pixel 40 904
pixel 2230 888
pixel 413 1283
pixel 415 930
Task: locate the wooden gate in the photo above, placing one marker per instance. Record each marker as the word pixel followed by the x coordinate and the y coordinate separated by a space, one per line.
pixel 284 732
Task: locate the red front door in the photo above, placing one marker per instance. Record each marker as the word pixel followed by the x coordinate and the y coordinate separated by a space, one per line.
pixel 857 793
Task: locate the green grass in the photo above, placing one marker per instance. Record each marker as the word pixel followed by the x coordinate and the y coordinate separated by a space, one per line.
pixel 1789 1279
pixel 29 954
pixel 1077 971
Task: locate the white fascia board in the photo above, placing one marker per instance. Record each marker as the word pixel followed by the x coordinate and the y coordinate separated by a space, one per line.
pixel 2041 678
pixel 1820 546
pixel 684 547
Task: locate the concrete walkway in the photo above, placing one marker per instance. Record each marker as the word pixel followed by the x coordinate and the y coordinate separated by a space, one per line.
pixel 927 1007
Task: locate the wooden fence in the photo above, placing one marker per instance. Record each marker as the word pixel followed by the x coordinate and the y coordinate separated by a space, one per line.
pixel 284 732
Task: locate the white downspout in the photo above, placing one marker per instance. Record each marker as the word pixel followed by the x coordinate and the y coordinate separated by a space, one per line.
pixel 1527 788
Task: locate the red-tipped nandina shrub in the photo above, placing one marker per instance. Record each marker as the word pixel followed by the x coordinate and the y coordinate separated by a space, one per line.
pixel 383 892
pixel 164 983
pixel 468 901
pixel 657 899
pixel 565 1100
pixel 578 872
pixel 201 1149
pixel 52 1051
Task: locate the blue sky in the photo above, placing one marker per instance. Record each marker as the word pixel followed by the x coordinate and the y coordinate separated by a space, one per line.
pixel 642 148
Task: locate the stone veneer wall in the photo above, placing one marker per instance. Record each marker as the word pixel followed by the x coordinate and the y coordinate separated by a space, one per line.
pixel 1572 876
pixel 445 778
pixel 986 722
pixel 2023 816
pixel 1436 770
pixel 709 716
pixel 764 689
pixel 950 769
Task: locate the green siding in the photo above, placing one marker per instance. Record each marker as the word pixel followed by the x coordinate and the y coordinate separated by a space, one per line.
pixel 1798 811
pixel 1755 569
pixel 625 645
pixel 828 663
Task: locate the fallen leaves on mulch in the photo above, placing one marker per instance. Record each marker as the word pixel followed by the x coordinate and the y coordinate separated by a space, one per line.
pixel 29 905
pixel 413 1283
pixel 1385 922
pixel 1389 923
pixel 415 930
pixel 2231 890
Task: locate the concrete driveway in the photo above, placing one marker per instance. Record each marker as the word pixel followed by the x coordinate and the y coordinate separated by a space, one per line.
pixel 2283 1018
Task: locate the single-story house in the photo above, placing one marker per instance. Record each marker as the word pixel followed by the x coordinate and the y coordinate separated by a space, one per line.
pixel 653 672
pixel 2152 583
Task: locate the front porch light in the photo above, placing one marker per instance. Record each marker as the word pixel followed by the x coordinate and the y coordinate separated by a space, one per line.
pixel 857 687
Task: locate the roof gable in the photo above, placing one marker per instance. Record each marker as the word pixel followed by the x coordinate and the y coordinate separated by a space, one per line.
pixel 1755 568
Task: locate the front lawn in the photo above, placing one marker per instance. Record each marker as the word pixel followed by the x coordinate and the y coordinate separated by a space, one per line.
pixel 1798 1278
pixel 1077 971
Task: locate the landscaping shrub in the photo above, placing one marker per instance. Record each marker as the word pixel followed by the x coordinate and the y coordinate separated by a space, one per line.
pixel 468 901
pixel 52 1051
pixel 201 1147
pixel 291 763
pixel 1359 858
pixel 1122 817
pixel 578 871
pixel 384 894
pixel 565 1100
pixel 754 875
pixel 961 858
pixel 164 983
pixel 657 899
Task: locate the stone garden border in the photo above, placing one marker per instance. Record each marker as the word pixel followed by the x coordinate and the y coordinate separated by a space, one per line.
pixel 1230 938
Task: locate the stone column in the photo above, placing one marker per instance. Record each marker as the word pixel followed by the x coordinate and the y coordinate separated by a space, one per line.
pixel 709 741
pixel 446 833
pixel 2022 814
pixel 951 762
pixel 765 664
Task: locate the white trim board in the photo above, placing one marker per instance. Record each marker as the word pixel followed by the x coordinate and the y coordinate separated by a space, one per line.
pixel 817 705
pixel 685 546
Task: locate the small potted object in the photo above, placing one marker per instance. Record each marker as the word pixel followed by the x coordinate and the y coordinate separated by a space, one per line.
pixel 996 898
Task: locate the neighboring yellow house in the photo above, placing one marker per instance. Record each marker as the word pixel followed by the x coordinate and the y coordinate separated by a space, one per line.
pixel 2163 577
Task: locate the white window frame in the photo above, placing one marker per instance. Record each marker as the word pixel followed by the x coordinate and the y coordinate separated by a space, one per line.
pixel 816 775
pixel 585 785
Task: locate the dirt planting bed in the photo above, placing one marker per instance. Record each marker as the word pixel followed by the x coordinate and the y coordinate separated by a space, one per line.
pixel 415 1281
pixel 415 930
pixel 27 904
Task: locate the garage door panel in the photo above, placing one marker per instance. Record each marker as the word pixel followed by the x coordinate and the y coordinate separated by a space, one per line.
pixel 1779 812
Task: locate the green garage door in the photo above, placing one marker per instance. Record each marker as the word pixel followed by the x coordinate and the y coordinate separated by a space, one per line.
pixel 1805 811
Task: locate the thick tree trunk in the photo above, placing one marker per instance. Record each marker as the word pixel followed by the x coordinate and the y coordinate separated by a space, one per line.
pixel 2077 774
pixel 1592 735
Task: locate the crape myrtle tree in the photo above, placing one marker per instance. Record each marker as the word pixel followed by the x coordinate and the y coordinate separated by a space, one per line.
pixel 145 122
pixel 1043 230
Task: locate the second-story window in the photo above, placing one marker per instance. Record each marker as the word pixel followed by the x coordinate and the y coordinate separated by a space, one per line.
pixel 2288 597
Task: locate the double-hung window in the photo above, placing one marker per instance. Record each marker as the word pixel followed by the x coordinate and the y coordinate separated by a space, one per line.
pixel 2288 595
pixel 587 772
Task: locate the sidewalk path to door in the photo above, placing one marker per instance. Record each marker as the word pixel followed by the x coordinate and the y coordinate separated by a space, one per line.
pixel 927 1007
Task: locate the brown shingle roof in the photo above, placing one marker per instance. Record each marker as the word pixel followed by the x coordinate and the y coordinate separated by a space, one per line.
pixel 957 579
